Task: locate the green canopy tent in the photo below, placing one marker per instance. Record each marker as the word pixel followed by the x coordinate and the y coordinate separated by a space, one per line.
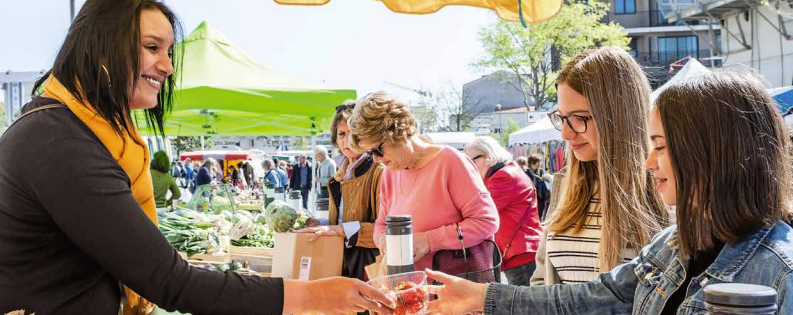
pixel 223 91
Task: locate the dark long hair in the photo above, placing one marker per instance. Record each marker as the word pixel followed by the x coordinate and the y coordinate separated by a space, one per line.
pixel 729 151
pixel 107 33
pixel 161 162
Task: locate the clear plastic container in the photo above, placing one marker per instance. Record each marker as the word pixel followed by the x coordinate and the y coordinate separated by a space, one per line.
pixel 409 290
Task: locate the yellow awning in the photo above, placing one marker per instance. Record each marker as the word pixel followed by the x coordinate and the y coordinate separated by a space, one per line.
pixel 533 10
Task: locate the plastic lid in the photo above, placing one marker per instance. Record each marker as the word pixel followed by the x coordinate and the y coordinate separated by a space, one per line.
pixel 398 218
pixel 740 294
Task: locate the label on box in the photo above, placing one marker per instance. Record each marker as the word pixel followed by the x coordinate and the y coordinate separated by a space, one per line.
pixel 305 268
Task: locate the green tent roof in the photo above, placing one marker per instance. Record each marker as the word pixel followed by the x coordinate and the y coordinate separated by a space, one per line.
pixel 222 90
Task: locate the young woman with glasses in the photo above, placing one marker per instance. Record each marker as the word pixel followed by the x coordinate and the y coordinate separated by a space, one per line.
pixel 721 155
pixel 438 185
pixel 605 209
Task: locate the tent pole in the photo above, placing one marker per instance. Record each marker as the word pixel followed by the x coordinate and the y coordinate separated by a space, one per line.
pixel 202 143
pixel 313 196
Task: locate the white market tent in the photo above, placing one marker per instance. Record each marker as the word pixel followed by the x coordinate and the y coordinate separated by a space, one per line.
pixel 691 69
pixel 537 132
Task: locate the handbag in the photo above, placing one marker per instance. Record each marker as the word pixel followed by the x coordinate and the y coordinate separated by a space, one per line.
pixel 479 263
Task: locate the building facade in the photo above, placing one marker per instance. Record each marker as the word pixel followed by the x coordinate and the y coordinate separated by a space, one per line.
pixel 758 35
pixel 658 42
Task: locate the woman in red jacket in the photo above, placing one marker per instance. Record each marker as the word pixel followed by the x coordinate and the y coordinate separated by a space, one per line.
pixel 518 235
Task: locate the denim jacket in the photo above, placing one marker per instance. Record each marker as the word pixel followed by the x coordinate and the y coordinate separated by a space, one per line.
pixel 643 285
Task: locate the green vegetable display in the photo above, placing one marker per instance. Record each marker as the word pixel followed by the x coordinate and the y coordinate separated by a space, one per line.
pixel 193 232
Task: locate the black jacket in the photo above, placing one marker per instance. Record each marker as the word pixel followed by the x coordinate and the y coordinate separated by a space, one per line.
pixel 294 180
pixel 71 232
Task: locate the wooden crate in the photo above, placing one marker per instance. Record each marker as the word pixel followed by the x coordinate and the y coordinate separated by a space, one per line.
pixel 206 259
pixel 252 251
pixel 259 264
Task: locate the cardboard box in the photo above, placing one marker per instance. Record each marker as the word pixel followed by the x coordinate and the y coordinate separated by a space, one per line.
pixel 297 258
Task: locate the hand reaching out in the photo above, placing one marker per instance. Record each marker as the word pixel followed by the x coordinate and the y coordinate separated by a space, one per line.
pixel 456 296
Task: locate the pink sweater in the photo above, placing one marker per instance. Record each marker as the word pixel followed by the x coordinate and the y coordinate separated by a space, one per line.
pixel 446 191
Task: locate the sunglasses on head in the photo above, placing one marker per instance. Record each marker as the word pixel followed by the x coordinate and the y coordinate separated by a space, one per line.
pixel 378 151
pixel 344 107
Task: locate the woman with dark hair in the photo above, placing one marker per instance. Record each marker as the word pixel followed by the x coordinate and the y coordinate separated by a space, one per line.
pixel 162 181
pixel 354 199
pixel 721 155
pixel 77 214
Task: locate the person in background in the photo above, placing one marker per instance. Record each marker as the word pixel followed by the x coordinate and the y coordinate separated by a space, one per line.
pixel 519 231
pixel 603 208
pixel 162 181
pixel 436 184
pixel 281 169
pixel 731 216
pixel 325 170
pixel 270 174
pixel 354 199
pixel 522 163
pixel 194 178
pixel 301 178
pixel 78 221
pixel 249 173
pixel 543 193
pixel 234 176
pixel 207 172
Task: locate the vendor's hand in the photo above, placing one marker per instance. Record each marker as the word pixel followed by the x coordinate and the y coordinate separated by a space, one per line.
pixel 421 245
pixel 326 230
pixel 345 296
pixel 456 295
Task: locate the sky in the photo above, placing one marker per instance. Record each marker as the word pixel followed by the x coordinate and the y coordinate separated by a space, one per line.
pixel 345 44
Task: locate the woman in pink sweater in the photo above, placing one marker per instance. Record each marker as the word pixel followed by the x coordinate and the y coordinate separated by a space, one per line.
pixel 438 185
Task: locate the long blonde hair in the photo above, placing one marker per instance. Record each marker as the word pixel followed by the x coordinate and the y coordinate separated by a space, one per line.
pixel 618 94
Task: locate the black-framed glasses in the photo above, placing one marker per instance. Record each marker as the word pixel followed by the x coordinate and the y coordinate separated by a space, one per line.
pixel 577 123
pixel 378 151
pixel 477 157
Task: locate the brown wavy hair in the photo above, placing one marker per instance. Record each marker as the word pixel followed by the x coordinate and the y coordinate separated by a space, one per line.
pixel 343 112
pixel 379 117
pixel 618 94
pixel 730 153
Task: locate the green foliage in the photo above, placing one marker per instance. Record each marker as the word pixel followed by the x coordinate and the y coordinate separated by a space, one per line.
pixel 189 143
pixel 511 127
pixel 531 52
pixel 301 143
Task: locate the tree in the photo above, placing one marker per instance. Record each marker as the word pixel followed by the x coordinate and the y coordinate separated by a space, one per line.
pixel 535 53
pixel 2 114
pixel 460 108
pixel 503 138
pixel 426 115
pixel 189 143
pixel 301 143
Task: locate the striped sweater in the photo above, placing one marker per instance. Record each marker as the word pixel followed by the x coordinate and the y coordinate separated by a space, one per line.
pixel 575 255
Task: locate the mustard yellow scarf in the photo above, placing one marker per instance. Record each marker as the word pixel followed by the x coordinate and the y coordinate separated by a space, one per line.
pixel 130 152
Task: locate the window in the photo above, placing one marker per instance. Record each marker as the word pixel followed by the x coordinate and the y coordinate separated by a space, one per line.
pixel 624 6
pixel 634 44
pixel 671 49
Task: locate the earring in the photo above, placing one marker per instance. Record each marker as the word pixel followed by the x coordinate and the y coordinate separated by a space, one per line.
pixel 107 74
